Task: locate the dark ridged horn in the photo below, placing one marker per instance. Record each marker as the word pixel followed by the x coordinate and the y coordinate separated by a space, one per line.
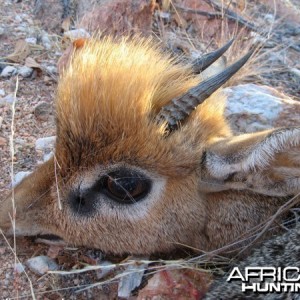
pixel 180 108
pixel 200 64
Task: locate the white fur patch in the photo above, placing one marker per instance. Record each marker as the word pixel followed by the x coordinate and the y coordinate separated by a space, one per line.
pixel 109 207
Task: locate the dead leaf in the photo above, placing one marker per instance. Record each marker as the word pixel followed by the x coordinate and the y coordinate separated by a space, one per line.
pixel 32 63
pixel 22 50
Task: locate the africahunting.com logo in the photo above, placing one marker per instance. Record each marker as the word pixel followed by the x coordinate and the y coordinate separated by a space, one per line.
pixel 267 279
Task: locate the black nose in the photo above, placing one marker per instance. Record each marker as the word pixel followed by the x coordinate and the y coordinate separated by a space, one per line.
pixel 82 202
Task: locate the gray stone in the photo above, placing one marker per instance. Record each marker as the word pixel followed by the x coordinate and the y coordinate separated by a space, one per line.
pixel 51 69
pixel 19 268
pixel 41 264
pixel 8 71
pixel 46 42
pixel 77 34
pixel 252 108
pixel 47 156
pixel 42 111
pixel 21 28
pixel 45 143
pixel 25 71
pixel 31 40
pixel 18 18
pixel 133 275
pixel 9 99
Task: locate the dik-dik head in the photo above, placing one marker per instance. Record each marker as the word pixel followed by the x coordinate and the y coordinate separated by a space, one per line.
pixel 140 167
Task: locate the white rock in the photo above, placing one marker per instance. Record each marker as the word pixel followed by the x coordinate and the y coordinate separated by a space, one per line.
pixel 77 34
pixel 251 108
pixel 41 264
pixel 31 40
pixel 2 93
pixel 9 99
pixel 25 16
pixel 52 69
pixel 269 18
pixel 25 71
pixel 164 15
pixel 133 275
pixel 8 71
pixel 19 141
pixel 19 268
pixel 19 177
pixel 18 18
pixel 45 143
pixel 21 28
pixel 46 42
pixel 47 156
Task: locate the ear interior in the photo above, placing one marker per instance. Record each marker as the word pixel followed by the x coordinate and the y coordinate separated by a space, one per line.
pixel 27 194
pixel 267 162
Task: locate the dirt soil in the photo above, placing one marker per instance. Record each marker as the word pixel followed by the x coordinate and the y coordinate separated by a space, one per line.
pixel 178 31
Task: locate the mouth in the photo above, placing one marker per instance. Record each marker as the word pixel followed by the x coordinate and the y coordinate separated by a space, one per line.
pixel 50 239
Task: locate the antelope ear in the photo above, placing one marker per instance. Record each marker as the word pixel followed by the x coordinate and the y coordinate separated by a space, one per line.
pixel 30 194
pixel 267 162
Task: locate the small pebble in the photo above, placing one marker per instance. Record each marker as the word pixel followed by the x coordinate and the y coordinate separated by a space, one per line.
pixel 8 71
pixel 25 71
pixel 52 69
pixel 47 156
pixel 31 40
pixel 21 28
pixel 77 34
pixel 41 264
pixel 9 99
pixel 5 294
pixel 19 268
pixel 132 279
pixel 45 143
pixel 42 111
pixel 46 42
pixel 164 15
pixel 18 18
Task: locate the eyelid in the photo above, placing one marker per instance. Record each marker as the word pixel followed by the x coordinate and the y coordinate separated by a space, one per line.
pixel 121 174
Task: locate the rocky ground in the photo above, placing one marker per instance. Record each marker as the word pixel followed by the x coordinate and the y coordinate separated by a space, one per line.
pixel 32 41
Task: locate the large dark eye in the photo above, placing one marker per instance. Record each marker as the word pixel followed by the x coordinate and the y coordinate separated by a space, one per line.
pixel 126 186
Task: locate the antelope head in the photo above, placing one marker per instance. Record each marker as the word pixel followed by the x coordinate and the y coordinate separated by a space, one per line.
pixel 145 161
